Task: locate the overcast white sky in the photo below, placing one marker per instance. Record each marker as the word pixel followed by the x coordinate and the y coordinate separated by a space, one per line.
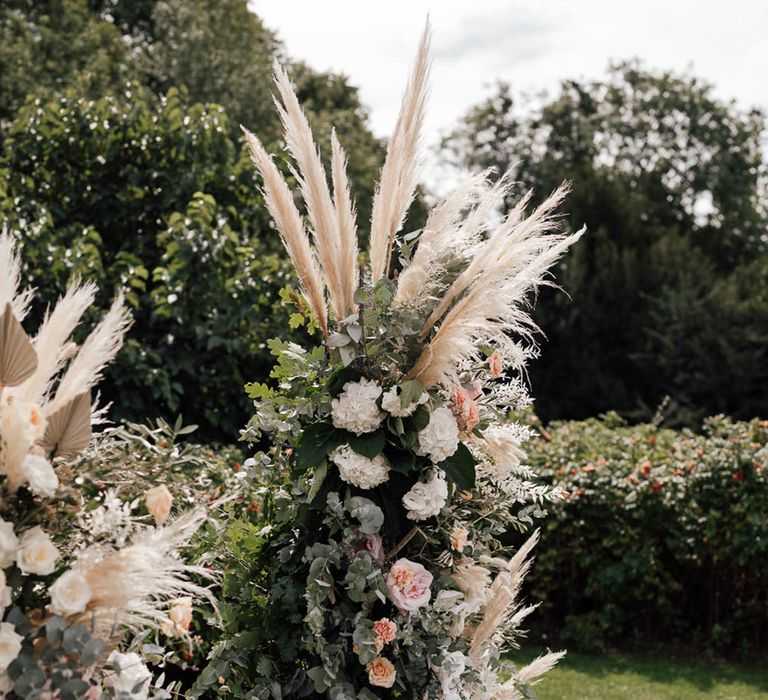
pixel 533 44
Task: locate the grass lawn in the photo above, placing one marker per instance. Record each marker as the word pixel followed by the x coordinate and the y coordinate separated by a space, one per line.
pixel 640 677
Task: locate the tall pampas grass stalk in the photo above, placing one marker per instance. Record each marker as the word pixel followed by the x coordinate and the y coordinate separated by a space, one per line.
pixel 52 341
pixel 98 350
pixel 492 301
pixel 10 278
pixel 400 173
pixel 452 229
pixel 314 189
pixel 346 220
pixel 283 210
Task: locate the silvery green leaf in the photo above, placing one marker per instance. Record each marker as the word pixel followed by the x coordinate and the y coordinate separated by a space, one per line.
pixel 338 340
pixel 355 332
pixel 370 516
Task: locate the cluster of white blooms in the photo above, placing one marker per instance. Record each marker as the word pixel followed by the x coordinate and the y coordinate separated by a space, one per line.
pixel 427 498
pixel 39 472
pixel 440 439
pixel 391 402
pixel 131 678
pixel 358 470
pixel 355 409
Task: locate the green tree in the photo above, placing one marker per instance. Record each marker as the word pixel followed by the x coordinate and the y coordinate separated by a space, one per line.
pixel 154 198
pixel 670 182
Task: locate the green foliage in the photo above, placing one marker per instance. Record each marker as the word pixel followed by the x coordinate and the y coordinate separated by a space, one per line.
pixel 661 538
pixel 670 182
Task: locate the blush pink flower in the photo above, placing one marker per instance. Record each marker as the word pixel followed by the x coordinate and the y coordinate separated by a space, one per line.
pixel 496 364
pixel 408 585
pixel 374 545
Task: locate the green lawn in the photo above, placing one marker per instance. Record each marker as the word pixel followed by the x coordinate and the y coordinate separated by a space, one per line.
pixel 640 677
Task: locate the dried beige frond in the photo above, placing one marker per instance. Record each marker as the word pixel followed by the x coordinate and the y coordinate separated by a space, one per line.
pixel 491 301
pixel 52 341
pixel 539 666
pixel 10 277
pixel 501 614
pixel 131 587
pixel 346 220
pixel 98 350
pixel 314 189
pixel 399 175
pixel 283 210
pixel 453 227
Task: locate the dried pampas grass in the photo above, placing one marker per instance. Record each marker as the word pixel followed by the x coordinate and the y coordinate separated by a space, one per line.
pixel 132 587
pixel 283 210
pixel 490 298
pixel 98 350
pixel 400 173
pixel 10 278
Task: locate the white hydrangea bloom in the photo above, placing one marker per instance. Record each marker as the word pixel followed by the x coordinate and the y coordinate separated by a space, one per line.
pixel 130 673
pixel 391 403
pixel 39 472
pixel 449 674
pixel 355 407
pixel 8 544
pixel 440 439
pixel 427 499
pixel 358 470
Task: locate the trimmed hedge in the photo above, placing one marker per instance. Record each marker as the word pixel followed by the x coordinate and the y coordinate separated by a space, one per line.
pixel 661 538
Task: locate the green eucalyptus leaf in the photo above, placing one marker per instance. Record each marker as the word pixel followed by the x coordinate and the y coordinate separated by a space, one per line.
pixel 460 468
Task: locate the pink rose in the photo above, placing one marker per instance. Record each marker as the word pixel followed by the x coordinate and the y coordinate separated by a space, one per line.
pixel 385 630
pixel 373 545
pixel 408 585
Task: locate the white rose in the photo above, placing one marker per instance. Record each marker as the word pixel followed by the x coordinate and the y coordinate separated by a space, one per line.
pixel 5 594
pixel 129 672
pixel 159 501
pixel 10 644
pixel 355 407
pixel 8 544
pixel 392 404
pixel 440 439
pixel 358 470
pixel 70 593
pixel 427 499
pixel 36 553
pixel 39 472
pixel 6 684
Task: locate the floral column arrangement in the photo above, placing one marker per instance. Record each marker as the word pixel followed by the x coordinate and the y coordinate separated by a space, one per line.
pixel 395 462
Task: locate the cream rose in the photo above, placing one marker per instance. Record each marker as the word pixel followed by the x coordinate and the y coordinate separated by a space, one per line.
pixel 40 474
pixel 70 593
pixel 440 439
pixel 159 501
pixel 179 617
pixel 408 585
pixel 6 593
pixel 358 470
pixel 129 673
pixel 9 543
pixel 36 553
pixel 10 644
pixel 427 498
pixel 381 672
pixel 355 408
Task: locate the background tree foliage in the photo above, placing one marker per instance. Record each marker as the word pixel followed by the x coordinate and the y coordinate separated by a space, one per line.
pixel 668 287
pixel 121 160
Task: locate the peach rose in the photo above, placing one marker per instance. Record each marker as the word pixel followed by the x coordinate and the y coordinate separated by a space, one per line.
pixel 459 536
pixel 385 630
pixel 496 364
pixel 381 672
pixel 408 585
pixel 159 501
pixel 179 617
